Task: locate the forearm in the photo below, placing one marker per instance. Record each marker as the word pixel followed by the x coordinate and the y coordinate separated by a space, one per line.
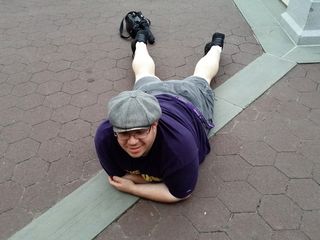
pixel 154 191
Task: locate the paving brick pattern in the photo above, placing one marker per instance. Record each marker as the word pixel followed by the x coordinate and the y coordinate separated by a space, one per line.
pixel 61 61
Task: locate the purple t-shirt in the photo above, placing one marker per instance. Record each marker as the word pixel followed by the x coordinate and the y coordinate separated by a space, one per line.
pixel 181 144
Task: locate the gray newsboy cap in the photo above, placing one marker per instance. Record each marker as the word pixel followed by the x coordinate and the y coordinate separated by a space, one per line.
pixel 132 110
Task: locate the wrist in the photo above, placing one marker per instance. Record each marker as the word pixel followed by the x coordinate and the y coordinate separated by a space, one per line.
pixel 134 189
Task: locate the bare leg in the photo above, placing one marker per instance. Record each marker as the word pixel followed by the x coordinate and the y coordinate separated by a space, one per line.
pixel 142 64
pixel 208 65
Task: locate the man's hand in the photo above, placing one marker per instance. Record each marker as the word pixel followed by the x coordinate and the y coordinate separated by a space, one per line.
pixel 122 184
pixel 154 191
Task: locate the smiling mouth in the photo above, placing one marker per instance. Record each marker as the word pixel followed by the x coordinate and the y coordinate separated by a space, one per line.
pixel 134 150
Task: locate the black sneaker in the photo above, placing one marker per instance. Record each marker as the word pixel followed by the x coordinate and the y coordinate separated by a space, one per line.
pixel 217 40
pixel 145 25
pixel 142 36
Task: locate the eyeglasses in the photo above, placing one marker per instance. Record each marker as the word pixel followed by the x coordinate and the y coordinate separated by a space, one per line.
pixel 138 134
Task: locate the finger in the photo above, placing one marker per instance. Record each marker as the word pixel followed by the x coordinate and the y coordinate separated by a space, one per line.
pixel 117 179
pixel 113 183
pixel 110 179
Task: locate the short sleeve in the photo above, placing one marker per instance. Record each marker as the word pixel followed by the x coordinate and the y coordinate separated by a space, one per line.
pixel 182 182
pixel 103 148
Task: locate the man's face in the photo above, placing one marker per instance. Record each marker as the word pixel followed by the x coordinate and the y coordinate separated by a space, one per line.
pixel 137 143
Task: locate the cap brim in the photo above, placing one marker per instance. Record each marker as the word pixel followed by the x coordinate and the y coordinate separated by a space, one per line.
pixel 118 130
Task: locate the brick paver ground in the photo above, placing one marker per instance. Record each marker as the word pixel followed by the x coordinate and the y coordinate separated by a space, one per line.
pixel 60 62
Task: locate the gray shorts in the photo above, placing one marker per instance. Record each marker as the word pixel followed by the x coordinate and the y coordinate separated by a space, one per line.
pixel 194 89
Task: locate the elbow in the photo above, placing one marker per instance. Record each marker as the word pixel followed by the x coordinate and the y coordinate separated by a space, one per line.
pixel 174 199
pixel 184 198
